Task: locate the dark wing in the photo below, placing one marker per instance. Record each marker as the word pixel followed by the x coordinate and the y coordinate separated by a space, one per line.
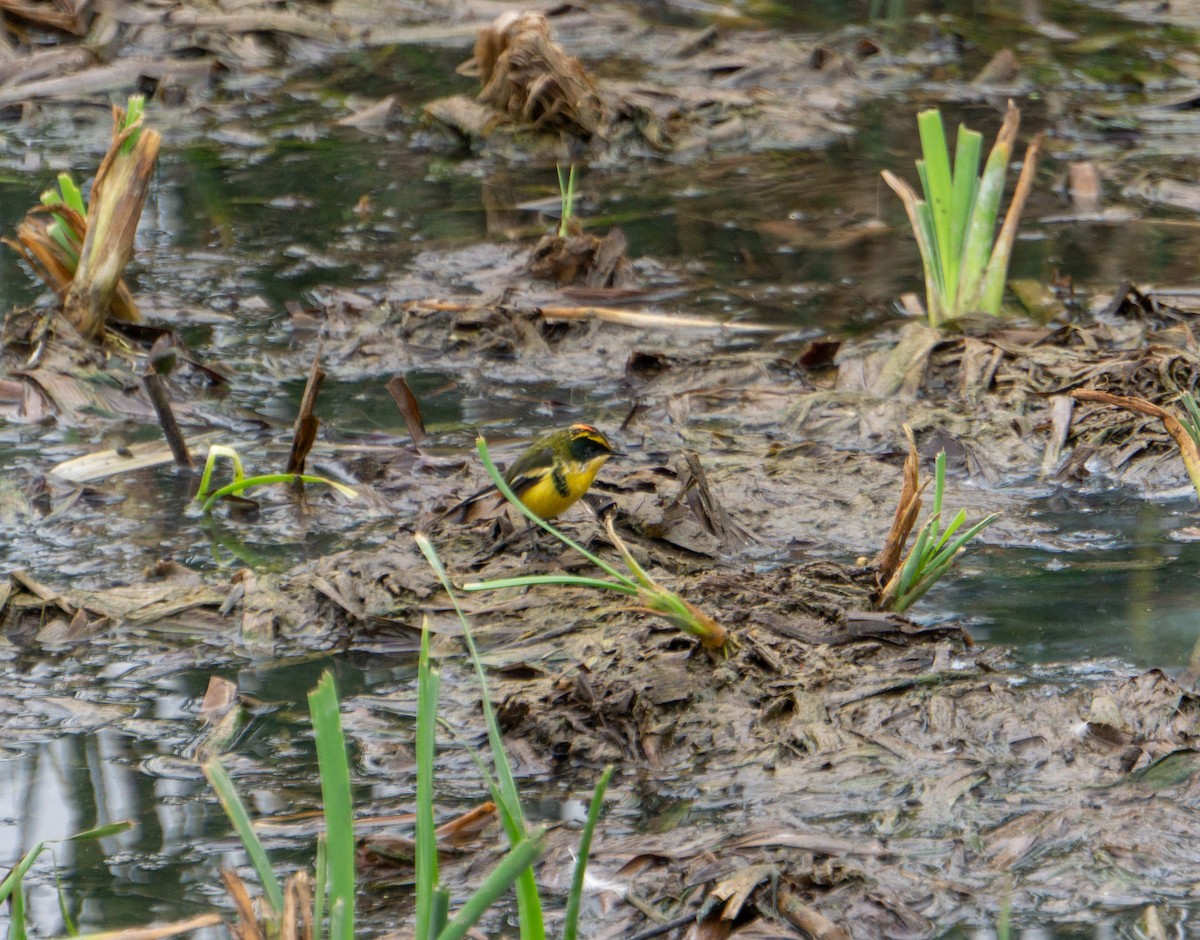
pixel 530 467
pixel 485 503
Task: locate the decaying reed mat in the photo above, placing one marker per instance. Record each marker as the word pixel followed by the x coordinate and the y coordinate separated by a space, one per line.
pixel 528 77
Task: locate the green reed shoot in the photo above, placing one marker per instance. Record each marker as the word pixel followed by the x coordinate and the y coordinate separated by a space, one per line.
pixel 335 881
pixel 508 803
pixel 321 884
pixel 218 778
pixel 69 197
pixel 964 260
pixel 1191 423
pixel 502 785
pixel 575 898
pixel 1189 445
pixel 12 888
pixel 654 598
pixel 566 190
pixel 242 482
pixel 934 552
pixel 337 805
pixel 135 110
pixel 429 895
pixel 433 900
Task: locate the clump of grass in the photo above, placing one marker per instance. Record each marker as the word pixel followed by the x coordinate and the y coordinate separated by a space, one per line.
pixel 935 550
pixel 525 843
pixel 652 597
pixel 242 482
pixel 965 263
pixel 1192 422
pixel 331 909
pixel 335 870
pixel 67 197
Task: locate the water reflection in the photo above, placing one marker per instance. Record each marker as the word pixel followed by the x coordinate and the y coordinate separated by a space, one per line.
pixel 1115 577
pixel 114 747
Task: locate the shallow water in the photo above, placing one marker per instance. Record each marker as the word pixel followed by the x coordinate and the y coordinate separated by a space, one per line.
pixel 252 214
pixel 1115 579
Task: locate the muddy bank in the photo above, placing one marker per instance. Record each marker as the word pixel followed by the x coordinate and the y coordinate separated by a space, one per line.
pixel 853 772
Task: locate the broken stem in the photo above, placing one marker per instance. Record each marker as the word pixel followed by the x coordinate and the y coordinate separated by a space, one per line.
pixel 157 390
pixel 304 432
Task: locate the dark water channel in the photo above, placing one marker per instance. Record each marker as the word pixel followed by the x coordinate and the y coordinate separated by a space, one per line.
pixel 254 211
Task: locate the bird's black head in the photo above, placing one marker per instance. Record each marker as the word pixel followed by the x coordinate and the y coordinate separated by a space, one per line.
pixel 587 443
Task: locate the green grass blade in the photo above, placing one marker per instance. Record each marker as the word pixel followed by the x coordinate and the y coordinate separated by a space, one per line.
pixel 929 235
pixel 914 593
pixel 937 566
pixel 957 521
pixel 428 682
pixel 64 910
pixel 12 882
pixel 508 786
pixel 939 484
pixel 341 918
pixel 72 198
pixel 266 479
pixel 100 832
pixel 939 192
pixel 134 110
pixel 916 555
pixel 973 531
pixel 935 287
pixel 215 452
pixel 512 817
pixel 16 906
pixel 235 809
pixel 996 275
pixel 63 236
pixel 440 914
pixel 337 803
pixel 535 579
pixel 1192 422
pixel 517 862
pixel 566 189
pixel 981 234
pixel 575 898
pixel 968 148
pixel 321 886
pixel 923 176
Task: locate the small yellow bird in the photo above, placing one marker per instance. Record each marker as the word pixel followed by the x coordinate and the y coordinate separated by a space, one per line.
pixel 551 475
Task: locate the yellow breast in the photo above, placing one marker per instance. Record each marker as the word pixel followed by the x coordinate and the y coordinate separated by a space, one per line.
pixel 557 491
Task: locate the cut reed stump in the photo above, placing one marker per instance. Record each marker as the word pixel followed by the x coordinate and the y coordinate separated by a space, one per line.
pixel 118 194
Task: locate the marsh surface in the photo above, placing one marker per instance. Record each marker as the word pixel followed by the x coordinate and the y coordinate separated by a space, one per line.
pixel 889 777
